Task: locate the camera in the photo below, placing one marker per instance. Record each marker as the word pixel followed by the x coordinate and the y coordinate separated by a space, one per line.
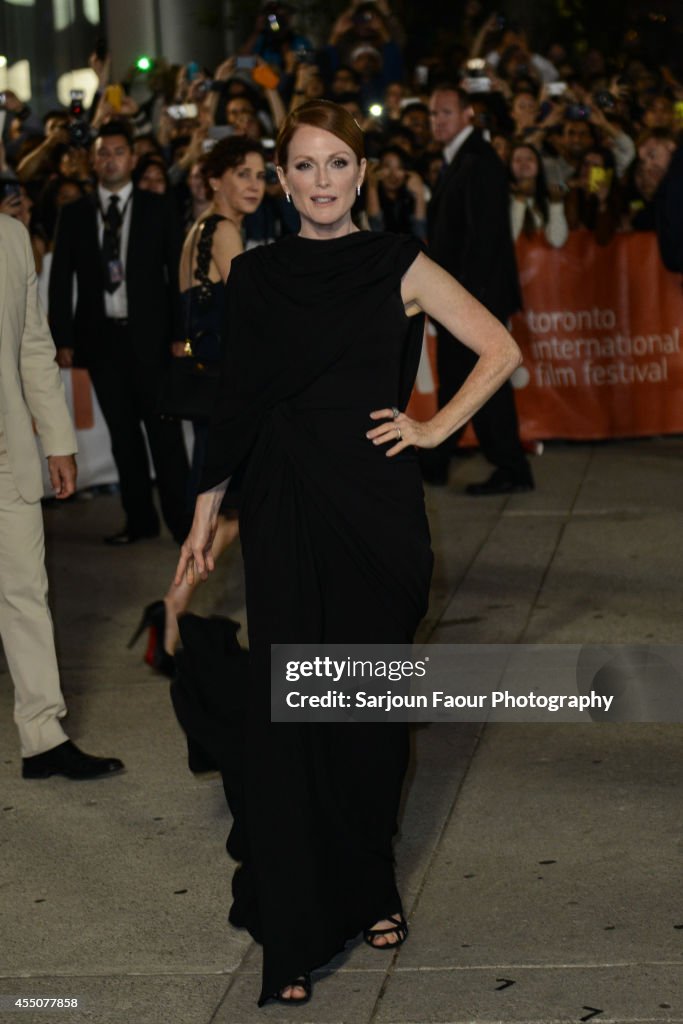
pixel 271 173
pixel 421 74
pixel 221 131
pixel 76 104
pixel 79 134
pixel 578 112
pixel 605 101
pixel 472 85
pixel 305 56
pixel 475 79
pixel 79 128
pixel 208 85
pixel 182 111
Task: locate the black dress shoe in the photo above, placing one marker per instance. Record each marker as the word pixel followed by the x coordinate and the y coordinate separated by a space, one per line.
pixel 127 536
pixel 502 481
pixel 68 760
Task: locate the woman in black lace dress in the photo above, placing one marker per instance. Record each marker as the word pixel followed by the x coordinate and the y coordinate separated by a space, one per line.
pixel 234 173
pixel 334 537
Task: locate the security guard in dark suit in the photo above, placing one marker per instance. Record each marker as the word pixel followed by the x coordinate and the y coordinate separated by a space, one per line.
pixel 123 246
pixel 468 228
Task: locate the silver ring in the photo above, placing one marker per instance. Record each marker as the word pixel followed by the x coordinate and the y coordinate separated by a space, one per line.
pixel 400 435
pixel 395 412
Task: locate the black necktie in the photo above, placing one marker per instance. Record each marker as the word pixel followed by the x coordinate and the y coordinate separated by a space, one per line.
pixel 111 245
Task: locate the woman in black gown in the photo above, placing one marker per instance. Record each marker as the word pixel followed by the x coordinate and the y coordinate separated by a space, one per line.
pixel 235 175
pixel 322 353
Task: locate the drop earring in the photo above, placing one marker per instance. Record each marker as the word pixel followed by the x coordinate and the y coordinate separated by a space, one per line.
pixel 358 190
pixel 288 197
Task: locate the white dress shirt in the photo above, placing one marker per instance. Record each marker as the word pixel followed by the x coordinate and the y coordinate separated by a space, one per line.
pixel 454 145
pixel 116 303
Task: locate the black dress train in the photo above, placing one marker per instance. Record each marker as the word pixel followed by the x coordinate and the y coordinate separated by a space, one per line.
pixel 336 549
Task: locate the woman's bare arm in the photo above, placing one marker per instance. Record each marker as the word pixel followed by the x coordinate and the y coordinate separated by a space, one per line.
pixel 429 288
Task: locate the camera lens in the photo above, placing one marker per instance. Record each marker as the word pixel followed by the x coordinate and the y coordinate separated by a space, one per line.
pixel 605 100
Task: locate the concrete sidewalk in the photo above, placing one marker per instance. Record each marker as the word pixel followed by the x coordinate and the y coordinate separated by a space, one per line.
pixel 540 865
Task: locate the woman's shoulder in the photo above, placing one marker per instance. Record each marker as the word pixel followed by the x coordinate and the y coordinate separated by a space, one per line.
pixel 401 249
pixel 226 228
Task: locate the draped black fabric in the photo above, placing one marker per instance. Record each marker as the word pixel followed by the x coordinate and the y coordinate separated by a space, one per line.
pixel 336 549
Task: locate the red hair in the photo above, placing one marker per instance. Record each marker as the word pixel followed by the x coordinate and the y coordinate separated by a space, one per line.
pixel 326 115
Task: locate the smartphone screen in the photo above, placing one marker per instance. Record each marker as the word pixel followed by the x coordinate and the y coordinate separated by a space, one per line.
pixel 597 177
pixel 9 190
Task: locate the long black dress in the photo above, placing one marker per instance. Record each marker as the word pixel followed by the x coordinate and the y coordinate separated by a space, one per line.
pixel 336 549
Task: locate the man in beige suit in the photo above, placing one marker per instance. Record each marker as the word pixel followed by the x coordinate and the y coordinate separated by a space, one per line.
pixel 31 390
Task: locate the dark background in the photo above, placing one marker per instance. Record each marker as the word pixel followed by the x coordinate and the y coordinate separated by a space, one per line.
pixel 653 32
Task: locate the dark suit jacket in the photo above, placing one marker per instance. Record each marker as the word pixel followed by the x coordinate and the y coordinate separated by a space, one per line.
pixel 468 227
pixel 151 262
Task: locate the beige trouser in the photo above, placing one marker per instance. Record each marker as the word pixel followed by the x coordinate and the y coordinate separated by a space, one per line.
pixel 25 621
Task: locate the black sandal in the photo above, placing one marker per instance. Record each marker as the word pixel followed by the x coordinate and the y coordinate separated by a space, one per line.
pixel 304 982
pixel 400 929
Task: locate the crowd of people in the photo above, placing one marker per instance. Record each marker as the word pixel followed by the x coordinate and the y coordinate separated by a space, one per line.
pixel 587 140
pixel 580 140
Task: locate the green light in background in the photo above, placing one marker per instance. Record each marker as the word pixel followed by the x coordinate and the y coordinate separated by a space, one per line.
pixel 143 64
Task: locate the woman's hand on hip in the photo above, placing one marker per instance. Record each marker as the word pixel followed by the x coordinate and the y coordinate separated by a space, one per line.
pixel 402 431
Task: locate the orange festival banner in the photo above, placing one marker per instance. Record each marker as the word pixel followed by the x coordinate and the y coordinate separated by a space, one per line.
pixel 600 336
pixel 601 339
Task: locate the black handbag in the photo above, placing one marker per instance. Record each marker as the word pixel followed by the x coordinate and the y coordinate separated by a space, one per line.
pixel 190 387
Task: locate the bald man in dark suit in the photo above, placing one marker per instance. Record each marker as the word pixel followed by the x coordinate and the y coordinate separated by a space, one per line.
pixel 469 236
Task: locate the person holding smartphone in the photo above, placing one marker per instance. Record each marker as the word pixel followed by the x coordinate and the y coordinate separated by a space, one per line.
pixel 16 202
pixel 10 196
pixel 274 37
pixel 594 200
pixel 535 206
